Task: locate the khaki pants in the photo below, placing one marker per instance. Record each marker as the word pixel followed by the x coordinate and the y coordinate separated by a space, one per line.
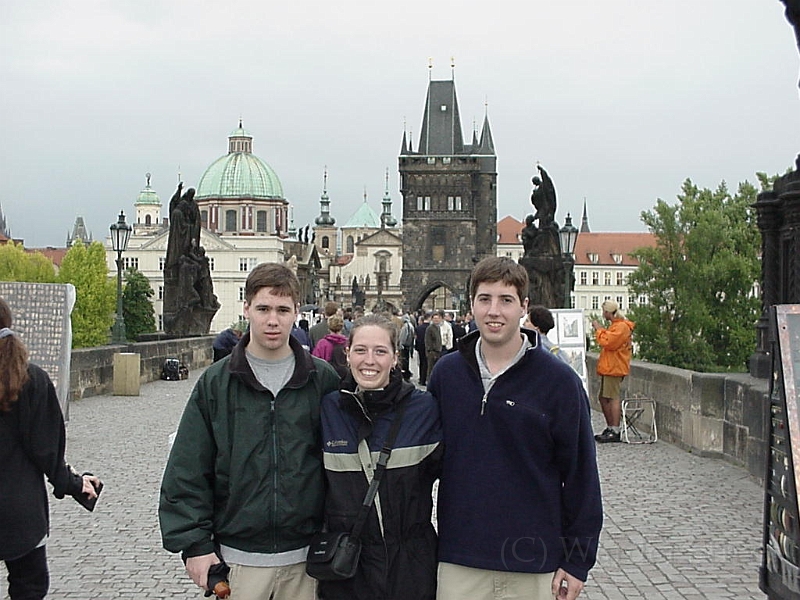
pixel 272 583
pixel 457 582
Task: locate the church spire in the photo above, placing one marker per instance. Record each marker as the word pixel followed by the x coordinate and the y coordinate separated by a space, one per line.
pixel 325 218
pixel 387 219
pixel 487 143
pixel 585 219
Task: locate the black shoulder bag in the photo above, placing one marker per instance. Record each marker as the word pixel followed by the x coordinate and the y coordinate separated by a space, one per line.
pixel 334 555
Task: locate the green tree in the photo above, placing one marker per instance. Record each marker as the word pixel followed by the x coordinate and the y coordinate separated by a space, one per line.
pixel 137 309
pixel 18 265
pixel 96 294
pixel 698 279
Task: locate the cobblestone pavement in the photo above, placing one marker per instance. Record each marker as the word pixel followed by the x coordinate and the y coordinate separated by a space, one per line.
pixel 677 525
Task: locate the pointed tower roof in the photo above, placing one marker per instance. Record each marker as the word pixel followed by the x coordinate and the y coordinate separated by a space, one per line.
pixel 79 232
pixel 441 122
pixel 4 230
pixel 585 219
pixel 404 145
pixel 487 143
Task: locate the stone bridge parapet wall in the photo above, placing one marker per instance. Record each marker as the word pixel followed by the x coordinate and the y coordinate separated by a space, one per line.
pixel 712 414
pixel 92 369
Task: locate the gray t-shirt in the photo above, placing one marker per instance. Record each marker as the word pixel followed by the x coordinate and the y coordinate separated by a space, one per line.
pixel 272 374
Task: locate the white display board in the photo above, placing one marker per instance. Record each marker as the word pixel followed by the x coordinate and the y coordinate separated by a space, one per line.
pixel 570 337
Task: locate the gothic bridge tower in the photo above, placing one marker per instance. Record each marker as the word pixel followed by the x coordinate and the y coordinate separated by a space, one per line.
pixel 449 191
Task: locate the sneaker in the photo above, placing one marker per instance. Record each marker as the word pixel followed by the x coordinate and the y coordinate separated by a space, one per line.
pixel 607 436
pixel 605 431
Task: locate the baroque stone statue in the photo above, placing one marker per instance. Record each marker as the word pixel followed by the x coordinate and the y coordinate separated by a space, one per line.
pixel 189 300
pixel 543 259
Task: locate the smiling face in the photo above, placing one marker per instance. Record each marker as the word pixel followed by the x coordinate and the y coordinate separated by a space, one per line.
pixel 498 310
pixel 371 355
pixel 271 318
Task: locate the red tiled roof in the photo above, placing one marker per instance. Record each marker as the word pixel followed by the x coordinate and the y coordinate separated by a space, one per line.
pixel 508 230
pixel 606 245
pixel 56 255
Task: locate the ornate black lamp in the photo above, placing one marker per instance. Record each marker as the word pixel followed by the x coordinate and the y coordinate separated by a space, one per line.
pixel 568 237
pixel 120 234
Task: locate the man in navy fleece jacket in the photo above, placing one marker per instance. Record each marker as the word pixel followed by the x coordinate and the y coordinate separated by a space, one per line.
pixel 519 499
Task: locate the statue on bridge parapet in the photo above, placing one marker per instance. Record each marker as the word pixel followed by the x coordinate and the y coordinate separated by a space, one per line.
pixel 543 259
pixel 189 300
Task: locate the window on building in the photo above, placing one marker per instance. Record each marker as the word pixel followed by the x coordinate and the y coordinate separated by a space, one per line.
pixel 458 203
pixel 607 278
pixel 350 245
pixel 620 279
pixel 130 262
pixel 243 265
pixel 594 258
pixel 161 292
pixel 161 261
pixel 148 220
pixel 161 322
pixel 438 241
pixel 642 300
pixel 583 277
pixel 595 302
pixel 210 263
pixel 595 278
pixel 419 203
pixel 204 218
pixel 261 221
pixel 241 294
pixel 617 258
pixel 230 220
pixel 326 242
pixel 619 302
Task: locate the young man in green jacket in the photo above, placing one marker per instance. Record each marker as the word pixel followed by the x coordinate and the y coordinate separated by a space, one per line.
pixel 244 480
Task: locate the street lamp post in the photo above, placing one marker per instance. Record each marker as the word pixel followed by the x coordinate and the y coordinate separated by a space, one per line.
pixel 120 234
pixel 568 236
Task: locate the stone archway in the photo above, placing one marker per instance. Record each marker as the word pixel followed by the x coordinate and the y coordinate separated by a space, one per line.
pixel 448 296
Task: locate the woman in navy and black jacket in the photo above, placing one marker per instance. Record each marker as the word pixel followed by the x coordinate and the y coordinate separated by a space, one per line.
pixel 398 555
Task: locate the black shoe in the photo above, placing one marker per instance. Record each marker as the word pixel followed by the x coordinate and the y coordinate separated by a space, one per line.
pixel 607 436
pixel 604 432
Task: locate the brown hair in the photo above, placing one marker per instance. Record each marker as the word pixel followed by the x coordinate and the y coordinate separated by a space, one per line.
pixel 13 362
pixel 378 321
pixel 541 318
pixel 331 308
pixel 335 323
pixel 279 277
pixel 504 269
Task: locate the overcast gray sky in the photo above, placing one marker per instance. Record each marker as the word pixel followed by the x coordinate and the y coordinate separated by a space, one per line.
pixel 620 100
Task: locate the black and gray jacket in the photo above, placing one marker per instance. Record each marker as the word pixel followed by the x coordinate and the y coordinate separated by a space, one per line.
pixel 398 556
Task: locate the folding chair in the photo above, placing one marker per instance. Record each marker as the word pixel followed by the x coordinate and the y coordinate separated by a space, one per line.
pixel 634 410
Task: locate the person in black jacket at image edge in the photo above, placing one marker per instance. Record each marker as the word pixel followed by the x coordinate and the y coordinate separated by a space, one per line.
pixel 34 439
pixel 398 555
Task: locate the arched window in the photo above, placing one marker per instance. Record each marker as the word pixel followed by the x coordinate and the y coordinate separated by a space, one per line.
pixel 261 221
pixel 204 218
pixel 147 220
pixel 326 242
pixel 350 244
pixel 230 220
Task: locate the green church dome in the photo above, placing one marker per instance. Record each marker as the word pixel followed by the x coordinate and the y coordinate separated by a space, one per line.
pixel 240 173
pixel 148 195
